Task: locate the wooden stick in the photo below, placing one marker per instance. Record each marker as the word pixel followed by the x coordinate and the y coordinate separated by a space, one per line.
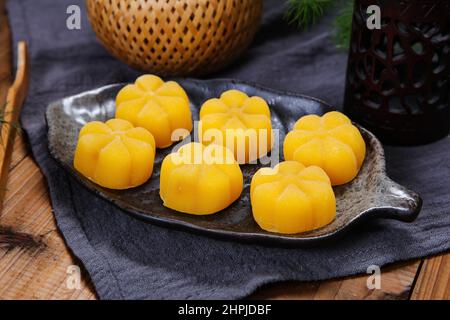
pixel 14 101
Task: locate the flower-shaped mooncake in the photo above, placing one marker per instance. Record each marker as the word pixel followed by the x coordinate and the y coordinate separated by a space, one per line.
pixel 292 198
pixel 238 122
pixel 199 179
pixel 331 142
pixel 115 154
pixel 160 107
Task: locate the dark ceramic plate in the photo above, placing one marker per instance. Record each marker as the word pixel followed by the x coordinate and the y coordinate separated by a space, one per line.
pixel 371 194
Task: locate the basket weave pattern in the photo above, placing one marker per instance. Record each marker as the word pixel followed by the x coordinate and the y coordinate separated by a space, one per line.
pixel 175 37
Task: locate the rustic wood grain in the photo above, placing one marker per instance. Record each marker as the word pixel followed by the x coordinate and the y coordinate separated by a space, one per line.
pixel 21 150
pixel 15 98
pixel 434 279
pixel 34 257
pixel 396 283
pixel 35 260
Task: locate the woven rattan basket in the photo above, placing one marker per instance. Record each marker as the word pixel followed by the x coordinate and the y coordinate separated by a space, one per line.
pixel 175 37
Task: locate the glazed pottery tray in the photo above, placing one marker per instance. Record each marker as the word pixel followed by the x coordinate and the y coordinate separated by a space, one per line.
pixel 370 195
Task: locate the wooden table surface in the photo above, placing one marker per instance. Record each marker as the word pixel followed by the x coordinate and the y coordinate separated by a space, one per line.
pixel 34 258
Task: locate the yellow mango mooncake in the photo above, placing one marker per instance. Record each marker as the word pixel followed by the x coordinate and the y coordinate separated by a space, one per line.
pixel 199 179
pixel 239 122
pixel 115 154
pixel 160 107
pixel 331 142
pixel 292 198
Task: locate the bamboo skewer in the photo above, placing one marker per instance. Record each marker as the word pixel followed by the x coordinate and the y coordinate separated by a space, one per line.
pixel 14 101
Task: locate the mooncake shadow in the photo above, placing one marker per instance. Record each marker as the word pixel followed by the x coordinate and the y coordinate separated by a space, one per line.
pixel 370 195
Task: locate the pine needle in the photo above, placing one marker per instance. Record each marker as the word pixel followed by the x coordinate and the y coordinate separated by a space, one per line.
pixel 305 13
pixel 343 26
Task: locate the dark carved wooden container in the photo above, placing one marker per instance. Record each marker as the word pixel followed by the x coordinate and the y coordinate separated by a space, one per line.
pixel 398 77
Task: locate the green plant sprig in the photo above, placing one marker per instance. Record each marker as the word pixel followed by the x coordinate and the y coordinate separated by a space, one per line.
pixel 304 13
pixel 343 25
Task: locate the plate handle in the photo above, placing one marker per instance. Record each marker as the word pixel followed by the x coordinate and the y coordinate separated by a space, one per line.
pixel 399 203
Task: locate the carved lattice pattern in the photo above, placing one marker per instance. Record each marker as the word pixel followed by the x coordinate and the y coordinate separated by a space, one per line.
pixel 398 78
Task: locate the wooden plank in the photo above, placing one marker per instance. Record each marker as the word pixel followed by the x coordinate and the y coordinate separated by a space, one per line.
pixel 15 98
pixel 396 283
pixel 20 151
pixel 34 259
pixel 434 279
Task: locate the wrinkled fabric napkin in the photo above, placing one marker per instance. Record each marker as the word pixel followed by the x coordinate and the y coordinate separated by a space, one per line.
pixel 130 259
